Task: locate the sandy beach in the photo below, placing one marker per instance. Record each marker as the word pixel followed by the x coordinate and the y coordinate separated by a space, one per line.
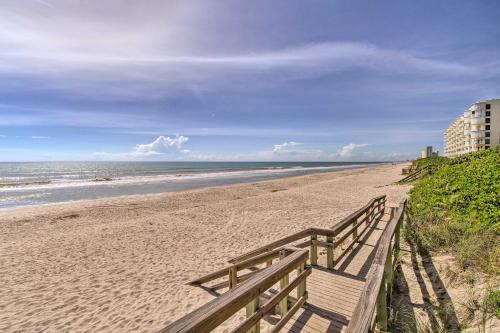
pixel 122 264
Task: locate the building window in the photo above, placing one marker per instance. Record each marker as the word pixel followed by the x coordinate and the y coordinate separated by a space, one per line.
pixel 473 112
pixel 487 120
pixel 487 141
pixel 487 127
pixel 488 106
pixel 488 113
pixel 487 134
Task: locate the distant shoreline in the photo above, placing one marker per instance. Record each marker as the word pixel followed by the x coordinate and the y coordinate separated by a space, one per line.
pixel 39 193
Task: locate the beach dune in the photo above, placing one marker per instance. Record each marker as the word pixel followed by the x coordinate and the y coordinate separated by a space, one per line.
pixel 122 264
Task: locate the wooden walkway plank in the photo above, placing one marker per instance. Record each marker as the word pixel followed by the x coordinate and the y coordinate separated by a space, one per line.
pixel 333 295
pixel 344 263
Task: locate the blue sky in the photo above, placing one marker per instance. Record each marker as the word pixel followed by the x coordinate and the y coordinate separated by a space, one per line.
pixel 240 80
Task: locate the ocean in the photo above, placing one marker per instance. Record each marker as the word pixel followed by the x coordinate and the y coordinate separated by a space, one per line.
pixel 36 183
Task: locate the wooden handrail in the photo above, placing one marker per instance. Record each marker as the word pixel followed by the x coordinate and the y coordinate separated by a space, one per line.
pixel 371 211
pixel 373 298
pixel 246 290
pixel 271 246
pixel 334 231
pixel 251 261
pixel 413 175
pixel 212 314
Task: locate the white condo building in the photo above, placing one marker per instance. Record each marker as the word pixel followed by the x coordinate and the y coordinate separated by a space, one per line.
pixel 478 128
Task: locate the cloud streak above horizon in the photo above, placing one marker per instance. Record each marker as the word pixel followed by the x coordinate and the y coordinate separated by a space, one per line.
pixel 75 47
pixel 260 79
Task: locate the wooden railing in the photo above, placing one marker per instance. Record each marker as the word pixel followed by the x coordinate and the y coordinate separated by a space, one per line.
pixel 245 290
pixel 417 174
pixel 345 228
pixel 372 307
pixel 343 235
pixel 248 295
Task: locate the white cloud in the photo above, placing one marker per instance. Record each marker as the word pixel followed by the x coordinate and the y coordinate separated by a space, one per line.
pixel 167 148
pixel 2 136
pixel 161 148
pixel 161 145
pixel 279 147
pixel 39 137
pixel 348 150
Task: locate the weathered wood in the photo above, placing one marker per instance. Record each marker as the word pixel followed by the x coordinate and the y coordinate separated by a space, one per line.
pixel 233 277
pixel 329 253
pixel 248 293
pixel 241 265
pixel 382 308
pixel 239 278
pixel 283 305
pixel 323 244
pixel 414 175
pixel 388 275
pixel 264 257
pixel 269 305
pixel 290 313
pixel 304 244
pixel 301 288
pixel 213 313
pixel 271 246
pixel 251 308
pixel 334 231
pixel 313 252
pixel 362 317
pixel 348 233
pixel 210 277
pixel 397 240
pixel 348 220
pixel 343 253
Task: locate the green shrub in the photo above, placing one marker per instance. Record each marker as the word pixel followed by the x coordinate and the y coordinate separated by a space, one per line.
pixel 457 208
pixel 435 162
pixel 493 302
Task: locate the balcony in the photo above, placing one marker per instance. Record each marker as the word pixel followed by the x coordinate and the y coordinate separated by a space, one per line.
pixel 477 107
pixel 477 120
pixel 477 134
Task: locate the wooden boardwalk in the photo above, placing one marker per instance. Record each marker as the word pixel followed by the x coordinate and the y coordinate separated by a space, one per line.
pixel 333 295
pixel 342 277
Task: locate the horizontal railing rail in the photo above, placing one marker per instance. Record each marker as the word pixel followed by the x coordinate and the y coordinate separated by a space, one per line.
pixel 333 231
pixel 248 295
pixel 348 229
pixel 247 289
pixel 372 307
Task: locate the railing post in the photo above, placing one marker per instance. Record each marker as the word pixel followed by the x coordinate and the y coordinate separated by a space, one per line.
pixel 329 253
pixel 388 275
pixel 313 253
pixel 283 305
pixel 233 276
pixel 355 226
pixel 269 263
pixel 251 308
pixel 382 308
pixel 301 288
pixel 397 237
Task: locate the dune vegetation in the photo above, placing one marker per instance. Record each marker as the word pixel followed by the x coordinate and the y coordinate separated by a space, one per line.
pixel 457 208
